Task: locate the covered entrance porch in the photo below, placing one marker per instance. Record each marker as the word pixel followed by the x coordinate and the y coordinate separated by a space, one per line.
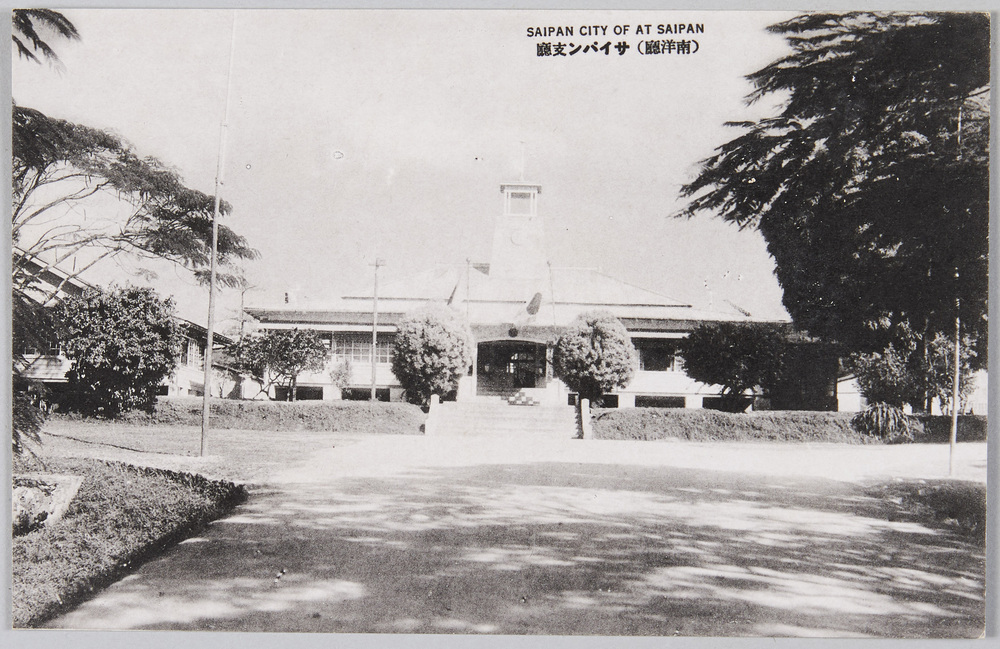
pixel 504 367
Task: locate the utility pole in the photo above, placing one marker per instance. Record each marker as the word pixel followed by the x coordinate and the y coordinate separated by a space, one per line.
pixel 955 379
pixel 209 335
pixel 468 286
pixel 953 437
pixel 378 263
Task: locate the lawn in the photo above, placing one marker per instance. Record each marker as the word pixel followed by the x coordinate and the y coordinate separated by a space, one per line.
pixel 121 516
pixel 246 456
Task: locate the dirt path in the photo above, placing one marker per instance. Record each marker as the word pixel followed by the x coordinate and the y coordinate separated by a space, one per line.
pixel 483 536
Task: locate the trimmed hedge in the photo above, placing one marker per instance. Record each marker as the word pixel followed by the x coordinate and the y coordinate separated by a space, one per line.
pixel 713 425
pixel 121 516
pixel 929 429
pixel 332 416
pixel 764 426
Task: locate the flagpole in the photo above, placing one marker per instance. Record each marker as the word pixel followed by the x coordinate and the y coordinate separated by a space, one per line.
pixel 220 165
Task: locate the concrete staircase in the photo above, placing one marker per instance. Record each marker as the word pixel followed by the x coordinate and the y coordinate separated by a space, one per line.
pixel 494 417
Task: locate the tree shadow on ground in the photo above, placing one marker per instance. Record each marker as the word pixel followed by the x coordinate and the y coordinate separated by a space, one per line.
pixel 562 548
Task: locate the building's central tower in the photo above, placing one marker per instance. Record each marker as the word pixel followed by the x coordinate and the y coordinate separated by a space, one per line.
pixel 519 238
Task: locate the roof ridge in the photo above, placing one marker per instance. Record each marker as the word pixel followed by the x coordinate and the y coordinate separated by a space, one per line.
pixel 679 303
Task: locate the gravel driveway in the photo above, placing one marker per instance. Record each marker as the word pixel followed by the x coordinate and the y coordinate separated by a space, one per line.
pixel 423 535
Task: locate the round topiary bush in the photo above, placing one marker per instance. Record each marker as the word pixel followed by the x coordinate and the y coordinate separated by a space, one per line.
pixel 432 351
pixel 595 355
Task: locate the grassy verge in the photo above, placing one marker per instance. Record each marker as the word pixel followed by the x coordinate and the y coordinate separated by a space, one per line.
pixel 121 516
pixel 331 416
pixel 711 425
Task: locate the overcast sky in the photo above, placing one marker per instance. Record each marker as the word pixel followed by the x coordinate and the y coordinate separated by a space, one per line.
pixel 362 133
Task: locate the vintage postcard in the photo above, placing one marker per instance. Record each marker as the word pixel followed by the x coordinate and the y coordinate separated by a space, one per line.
pixel 506 322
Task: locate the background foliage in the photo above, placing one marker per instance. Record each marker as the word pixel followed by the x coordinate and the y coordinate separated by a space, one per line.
pixel 911 371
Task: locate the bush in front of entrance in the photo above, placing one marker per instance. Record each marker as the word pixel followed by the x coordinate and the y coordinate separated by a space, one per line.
pixel 431 352
pixel 330 416
pixel 595 355
pixel 713 425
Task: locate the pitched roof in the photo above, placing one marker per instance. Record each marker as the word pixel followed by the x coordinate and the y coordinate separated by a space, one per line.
pixel 552 300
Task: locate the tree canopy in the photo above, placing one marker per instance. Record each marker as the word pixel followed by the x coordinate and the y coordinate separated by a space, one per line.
pixel 870 185
pixel 595 355
pixel 277 357
pixel 59 168
pixel 30 324
pixel 26 37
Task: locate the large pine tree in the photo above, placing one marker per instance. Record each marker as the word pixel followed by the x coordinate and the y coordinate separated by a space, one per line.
pixel 870 185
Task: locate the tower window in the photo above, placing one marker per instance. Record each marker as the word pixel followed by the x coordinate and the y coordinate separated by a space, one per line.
pixel 521 203
pixel 520 200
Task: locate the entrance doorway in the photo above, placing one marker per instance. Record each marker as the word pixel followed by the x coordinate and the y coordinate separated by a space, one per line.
pixel 506 366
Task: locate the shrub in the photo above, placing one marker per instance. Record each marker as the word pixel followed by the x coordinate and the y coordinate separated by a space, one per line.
pixel 431 352
pixel 882 420
pixel 123 343
pixel 595 355
pixel 932 429
pixel 26 417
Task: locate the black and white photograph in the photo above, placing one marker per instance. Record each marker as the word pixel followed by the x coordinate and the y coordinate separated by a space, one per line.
pixel 500 323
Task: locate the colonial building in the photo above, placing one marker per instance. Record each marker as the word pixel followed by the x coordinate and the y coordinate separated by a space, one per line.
pixel 516 304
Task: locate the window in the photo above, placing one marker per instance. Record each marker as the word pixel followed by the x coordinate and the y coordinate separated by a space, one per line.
pixel 658 356
pixel 302 393
pixel 364 394
pixel 191 354
pixel 654 401
pixel 53 348
pixel 520 203
pixel 359 350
